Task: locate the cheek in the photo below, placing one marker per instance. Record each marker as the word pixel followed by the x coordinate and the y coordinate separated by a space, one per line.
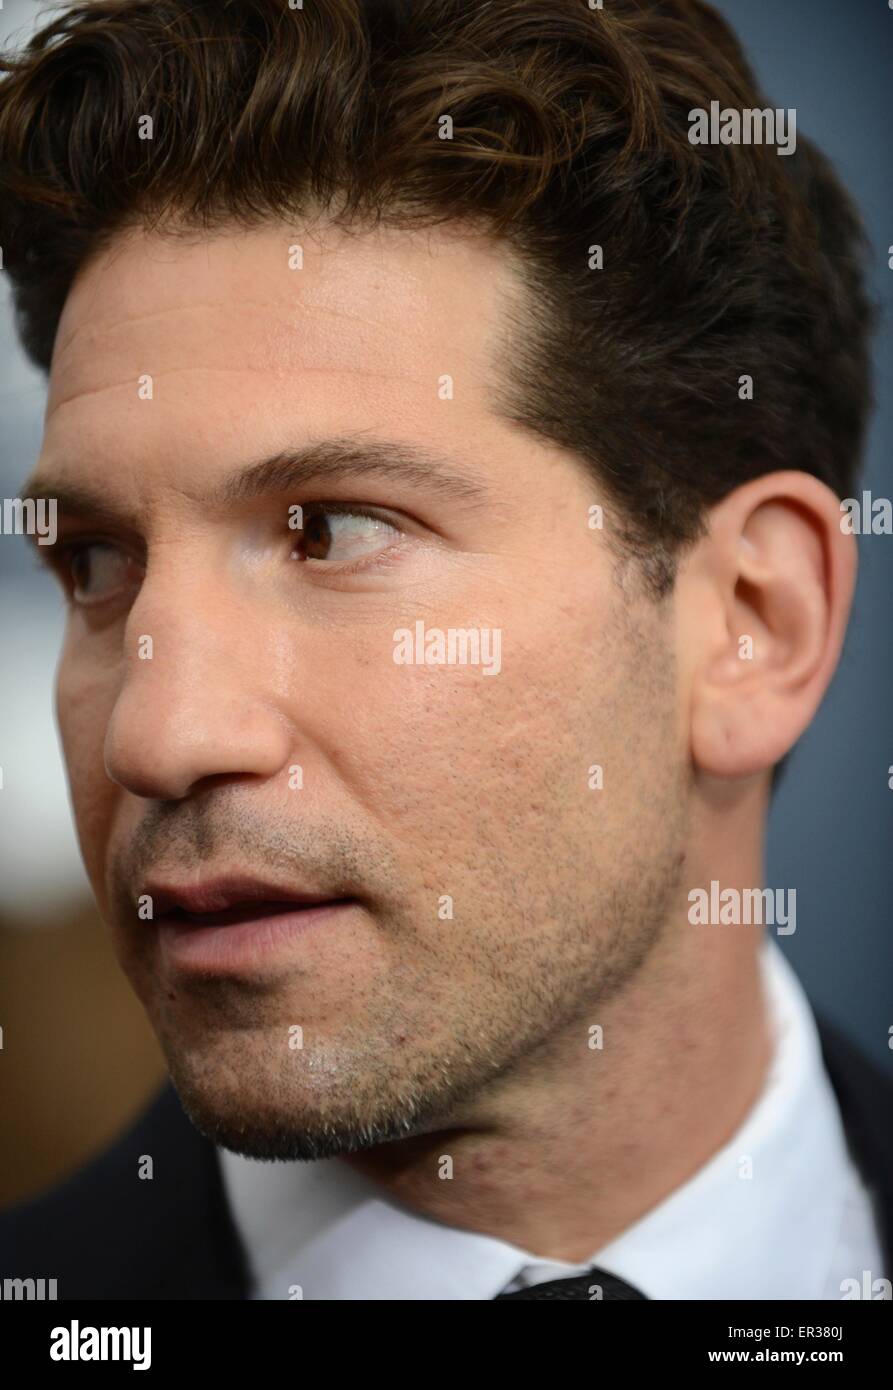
pixel 83 708
pixel 456 757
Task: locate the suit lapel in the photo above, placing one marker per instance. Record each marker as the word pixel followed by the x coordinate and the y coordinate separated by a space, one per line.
pixel 865 1097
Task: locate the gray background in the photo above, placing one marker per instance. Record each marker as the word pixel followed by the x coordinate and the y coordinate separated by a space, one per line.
pixel 831 826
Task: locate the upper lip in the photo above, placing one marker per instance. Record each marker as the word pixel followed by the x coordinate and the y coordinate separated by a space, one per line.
pixel 228 890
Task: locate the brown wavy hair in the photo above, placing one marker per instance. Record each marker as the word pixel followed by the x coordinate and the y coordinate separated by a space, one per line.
pixel 570 129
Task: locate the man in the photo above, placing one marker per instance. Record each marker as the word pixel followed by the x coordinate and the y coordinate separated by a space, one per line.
pixel 448 453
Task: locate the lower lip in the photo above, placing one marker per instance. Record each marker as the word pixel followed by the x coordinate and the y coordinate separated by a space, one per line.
pixel 241 944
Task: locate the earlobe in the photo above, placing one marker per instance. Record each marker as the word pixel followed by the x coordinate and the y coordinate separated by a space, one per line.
pixel 775 578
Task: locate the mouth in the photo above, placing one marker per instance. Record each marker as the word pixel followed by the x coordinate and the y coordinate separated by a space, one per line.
pixel 230 925
pixel 245 912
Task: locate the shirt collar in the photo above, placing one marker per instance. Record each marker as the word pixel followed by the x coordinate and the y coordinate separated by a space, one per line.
pixel 777 1186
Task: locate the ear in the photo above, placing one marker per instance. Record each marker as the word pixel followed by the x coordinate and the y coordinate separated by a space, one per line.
pixel 762 603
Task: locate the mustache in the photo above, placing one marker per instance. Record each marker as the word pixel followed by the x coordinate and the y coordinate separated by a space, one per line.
pixel 324 856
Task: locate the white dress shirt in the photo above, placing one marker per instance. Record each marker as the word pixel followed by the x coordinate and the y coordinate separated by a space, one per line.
pixel 800 1225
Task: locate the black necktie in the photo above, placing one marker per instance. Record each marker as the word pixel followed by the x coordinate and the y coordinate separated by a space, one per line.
pixel 581 1286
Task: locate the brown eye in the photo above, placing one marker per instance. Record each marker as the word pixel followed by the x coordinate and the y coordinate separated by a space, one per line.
pixel 317 538
pixel 343 534
pixel 80 568
pixel 94 571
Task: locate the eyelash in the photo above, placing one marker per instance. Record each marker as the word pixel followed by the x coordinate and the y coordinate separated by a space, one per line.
pixel 64 552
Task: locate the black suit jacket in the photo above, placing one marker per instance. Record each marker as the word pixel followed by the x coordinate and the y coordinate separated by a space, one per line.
pixel 104 1234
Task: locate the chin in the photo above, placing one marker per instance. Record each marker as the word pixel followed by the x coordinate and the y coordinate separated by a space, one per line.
pixel 258 1114
pixel 278 1139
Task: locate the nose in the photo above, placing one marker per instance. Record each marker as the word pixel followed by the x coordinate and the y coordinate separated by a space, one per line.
pixel 197 701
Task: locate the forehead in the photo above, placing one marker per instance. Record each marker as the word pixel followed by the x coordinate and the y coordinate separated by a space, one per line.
pixel 359 312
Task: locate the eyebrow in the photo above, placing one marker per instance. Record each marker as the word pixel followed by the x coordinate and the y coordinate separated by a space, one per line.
pixel 325 461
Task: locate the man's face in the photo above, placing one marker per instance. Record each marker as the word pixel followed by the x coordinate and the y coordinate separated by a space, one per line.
pixel 232 705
